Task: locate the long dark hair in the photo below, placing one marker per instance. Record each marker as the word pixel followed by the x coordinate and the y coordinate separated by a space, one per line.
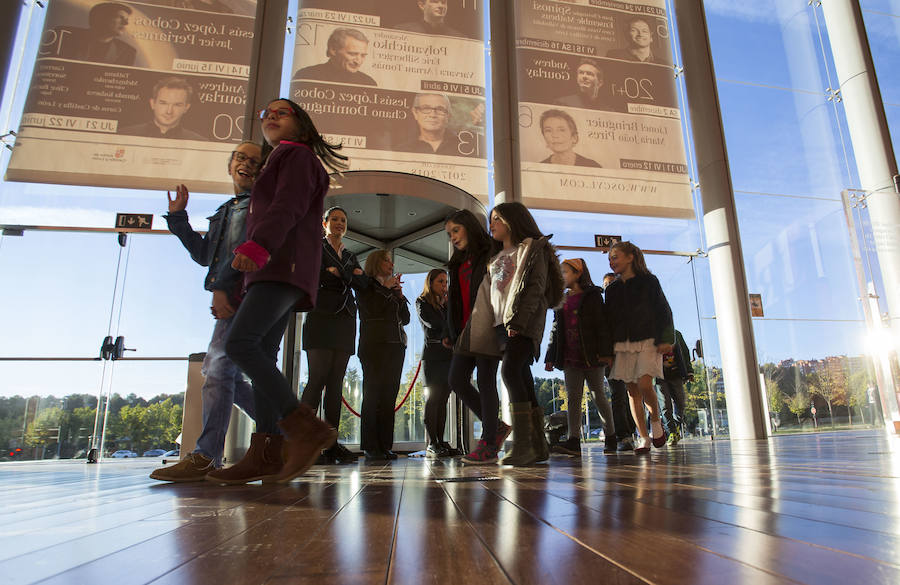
pixel 309 135
pixel 638 264
pixel 479 242
pixel 521 223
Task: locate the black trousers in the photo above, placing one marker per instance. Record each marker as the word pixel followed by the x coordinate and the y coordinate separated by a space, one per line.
pixel 382 366
pixel 326 371
pixel 484 402
pixel 437 380
pixel 252 344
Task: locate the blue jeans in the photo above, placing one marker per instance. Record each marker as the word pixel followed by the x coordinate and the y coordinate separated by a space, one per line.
pixel 252 343
pixel 673 402
pixel 225 385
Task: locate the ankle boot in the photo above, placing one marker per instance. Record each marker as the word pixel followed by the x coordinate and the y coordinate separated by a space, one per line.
pixel 541 447
pixel 522 452
pixel 304 436
pixel 261 461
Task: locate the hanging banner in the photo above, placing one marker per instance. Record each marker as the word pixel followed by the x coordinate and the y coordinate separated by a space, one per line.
pixel 136 94
pixel 400 84
pixel 599 125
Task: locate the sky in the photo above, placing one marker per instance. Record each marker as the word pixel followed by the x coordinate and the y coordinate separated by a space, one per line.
pixel 789 160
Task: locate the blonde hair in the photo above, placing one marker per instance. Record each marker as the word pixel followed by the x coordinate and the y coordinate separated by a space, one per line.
pixel 373 260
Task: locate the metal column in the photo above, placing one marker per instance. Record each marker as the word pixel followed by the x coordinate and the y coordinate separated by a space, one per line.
pixel 746 412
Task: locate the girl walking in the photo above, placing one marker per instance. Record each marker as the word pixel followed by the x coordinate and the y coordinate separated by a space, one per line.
pixel 525 280
pixel 474 343
pixel 580 346
pixel 281 259
pixel 642 331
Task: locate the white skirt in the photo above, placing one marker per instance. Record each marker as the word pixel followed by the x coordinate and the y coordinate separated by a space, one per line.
pixel 635 359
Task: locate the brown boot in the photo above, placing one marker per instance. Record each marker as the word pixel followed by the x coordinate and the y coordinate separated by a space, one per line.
pixel 262 461
pixel 538 438
pixel 305 435
pixel 194 467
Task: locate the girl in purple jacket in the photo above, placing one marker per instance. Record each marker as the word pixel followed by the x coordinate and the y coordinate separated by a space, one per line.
pixel 281 260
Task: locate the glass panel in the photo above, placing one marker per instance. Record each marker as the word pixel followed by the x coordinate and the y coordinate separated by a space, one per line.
pixel 882 20
pixel 59 307
pixel 801 264
pixel 831 388
pixel 782 142
pixel 766 43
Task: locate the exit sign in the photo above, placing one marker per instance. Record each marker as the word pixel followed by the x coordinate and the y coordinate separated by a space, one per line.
pixel 604 241
pixel 134 221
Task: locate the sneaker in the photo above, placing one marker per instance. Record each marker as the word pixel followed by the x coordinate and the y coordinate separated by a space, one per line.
pixel 483 454
pixel 674 437
pixel 659 442
pixel 437 451
pixel 503 431
pixel 451 451
pixel 571 446
pixel 626 444
pixel 643 446
pixel 194 467
pixel 610 445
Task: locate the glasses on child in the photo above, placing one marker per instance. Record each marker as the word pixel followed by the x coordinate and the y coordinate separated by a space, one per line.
pixel 279 113
pixel 243 158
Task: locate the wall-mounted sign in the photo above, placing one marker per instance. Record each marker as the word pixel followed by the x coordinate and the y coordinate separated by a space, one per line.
pixel 599 126
pixel 400 84
pixel 134 221
pixel 602 241
pixel 756 305
pixel 136 94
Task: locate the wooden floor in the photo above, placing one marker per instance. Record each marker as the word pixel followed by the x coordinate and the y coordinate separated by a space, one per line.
pixel 799 509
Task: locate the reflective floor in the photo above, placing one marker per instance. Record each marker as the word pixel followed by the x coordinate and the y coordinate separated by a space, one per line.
pixel 798 509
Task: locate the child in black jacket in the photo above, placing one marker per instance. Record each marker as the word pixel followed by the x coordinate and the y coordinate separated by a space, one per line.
pixel 641 326
pixel 580 346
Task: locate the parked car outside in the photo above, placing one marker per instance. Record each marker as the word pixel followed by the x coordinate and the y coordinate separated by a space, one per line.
pixel 172 453
pixel 154 453
pixel 123 454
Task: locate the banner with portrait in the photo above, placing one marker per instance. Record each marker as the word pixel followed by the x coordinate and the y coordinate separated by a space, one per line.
pixel 137 94
pixel 598 120
pixel 400 84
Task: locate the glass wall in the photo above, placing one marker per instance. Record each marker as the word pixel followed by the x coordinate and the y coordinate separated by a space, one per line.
pixel 790 159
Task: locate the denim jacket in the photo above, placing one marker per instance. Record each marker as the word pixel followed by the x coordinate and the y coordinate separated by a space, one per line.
pixel 227 230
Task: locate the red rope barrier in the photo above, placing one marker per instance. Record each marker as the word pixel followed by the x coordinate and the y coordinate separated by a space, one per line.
pixel 402 402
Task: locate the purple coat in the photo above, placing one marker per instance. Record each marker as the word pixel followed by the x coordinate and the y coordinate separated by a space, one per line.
pixel 284 223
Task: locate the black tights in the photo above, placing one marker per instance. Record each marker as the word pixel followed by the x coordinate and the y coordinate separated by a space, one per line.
pixel 516 369
pixel 484 402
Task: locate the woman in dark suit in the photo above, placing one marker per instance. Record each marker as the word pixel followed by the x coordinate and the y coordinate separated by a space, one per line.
pixel 383 311
pixel 329 330
pixel 432 309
